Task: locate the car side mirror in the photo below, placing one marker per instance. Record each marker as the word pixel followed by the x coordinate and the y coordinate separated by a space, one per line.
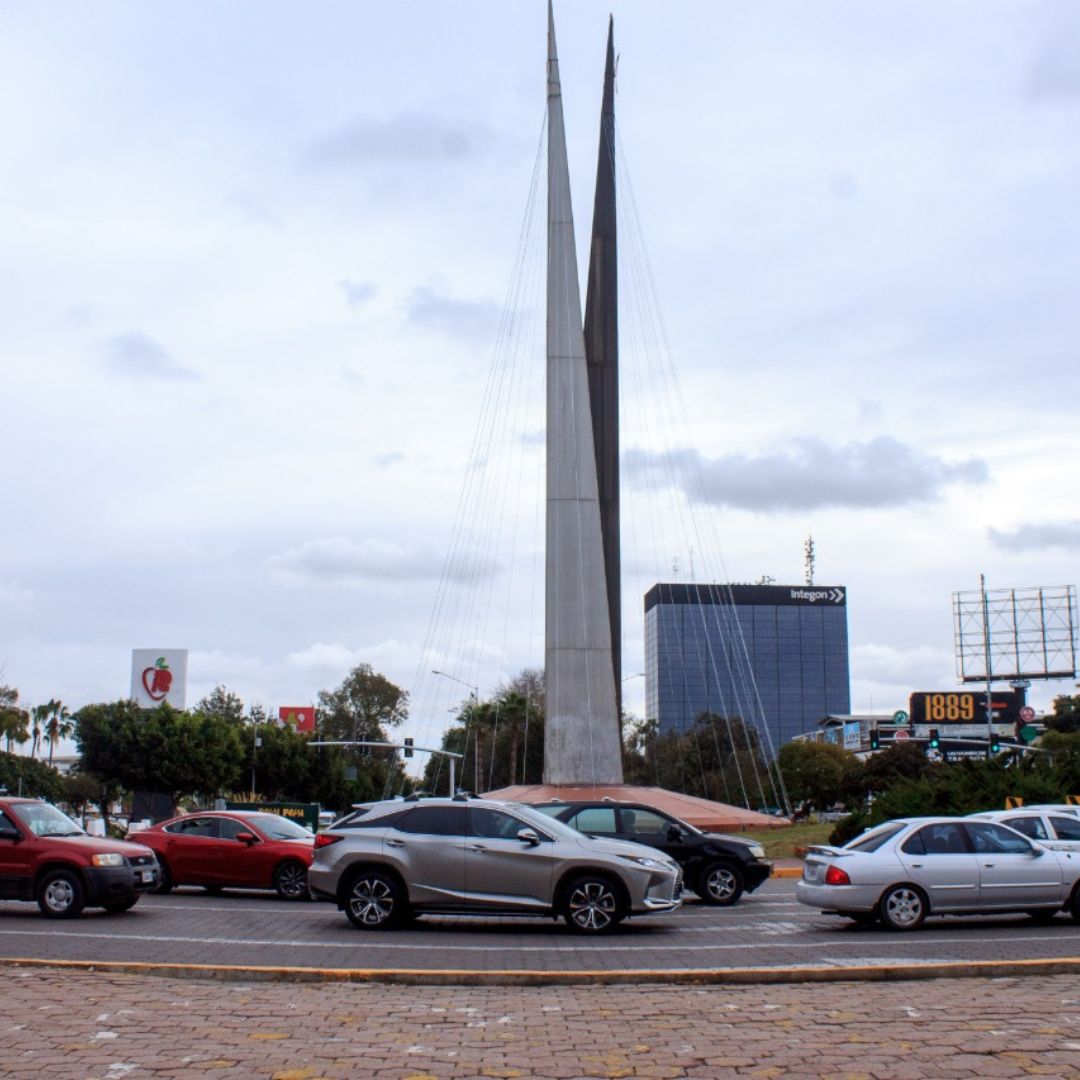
pixel 528 836
pixel 1037 852
pixel 246 838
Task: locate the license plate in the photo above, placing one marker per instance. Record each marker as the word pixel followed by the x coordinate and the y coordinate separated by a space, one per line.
pixel 812 871
pixel 146 875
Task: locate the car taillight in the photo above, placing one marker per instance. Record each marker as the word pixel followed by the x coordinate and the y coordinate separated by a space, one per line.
pixel 325 839
pixel 835 876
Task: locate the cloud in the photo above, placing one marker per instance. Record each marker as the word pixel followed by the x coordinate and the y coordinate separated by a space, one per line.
pixel 357 292
pixel 323 657
pixel 411 137
pixel 140 356
pixel 338 561
pixel 1060 534
pixel 1054 75
pixel 890 665
pixel 471 320
pixel 13 597
pixel 393 457
pixel 808 474
pixel 248 207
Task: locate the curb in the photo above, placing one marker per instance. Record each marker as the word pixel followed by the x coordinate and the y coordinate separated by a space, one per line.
pixel 960 969
pixel 787 872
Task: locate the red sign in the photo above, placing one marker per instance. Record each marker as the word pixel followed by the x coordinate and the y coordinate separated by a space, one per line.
pixel 302 717
pixel 157 680
pixel 901 734
pixel 1027 714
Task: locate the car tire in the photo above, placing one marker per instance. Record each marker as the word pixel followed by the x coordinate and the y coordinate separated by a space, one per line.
pixel 374 900
pixel 1074 903
pixel 902 907
pixel 290 880
pixel 720 884
pixel 60 894
pixel 592 904
pixel 164 882
pixel 116 907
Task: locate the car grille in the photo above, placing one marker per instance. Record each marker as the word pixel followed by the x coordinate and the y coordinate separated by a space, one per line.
pixel 142 860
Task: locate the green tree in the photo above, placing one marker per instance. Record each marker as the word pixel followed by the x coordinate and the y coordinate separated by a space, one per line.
pixel 1066 715
pixel 501 740
pixel 815 773
pixel 14 721
pixel 38 716
pixel 223 704
pixel 904 760
pixel 362 706
pixel 159 749
pixel 58 725
pixel 21 775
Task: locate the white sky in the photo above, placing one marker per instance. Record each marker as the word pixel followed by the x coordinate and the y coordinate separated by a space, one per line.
pixel 253 258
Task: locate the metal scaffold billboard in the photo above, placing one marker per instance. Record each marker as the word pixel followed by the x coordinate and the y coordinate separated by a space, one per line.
pixel 1015 634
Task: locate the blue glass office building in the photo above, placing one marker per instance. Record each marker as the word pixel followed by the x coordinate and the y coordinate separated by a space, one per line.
pixel 773 654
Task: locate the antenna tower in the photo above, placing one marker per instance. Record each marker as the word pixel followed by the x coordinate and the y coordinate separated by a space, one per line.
pixel 808 550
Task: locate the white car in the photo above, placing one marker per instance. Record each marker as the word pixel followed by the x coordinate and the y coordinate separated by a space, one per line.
pixel 902 871
pixel 1048 827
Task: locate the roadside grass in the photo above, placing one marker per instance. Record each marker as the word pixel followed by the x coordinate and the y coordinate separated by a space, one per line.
pixel 781 843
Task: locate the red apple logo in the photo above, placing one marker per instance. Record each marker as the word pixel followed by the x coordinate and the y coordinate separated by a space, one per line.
pixel 156 680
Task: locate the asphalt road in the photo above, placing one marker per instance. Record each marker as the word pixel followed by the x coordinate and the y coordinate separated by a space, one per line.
pixel 767 929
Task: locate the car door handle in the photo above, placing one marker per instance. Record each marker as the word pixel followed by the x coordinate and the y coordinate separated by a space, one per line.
pixel 395 843
pixel 989 865
pixel 477 847
pixel 916 866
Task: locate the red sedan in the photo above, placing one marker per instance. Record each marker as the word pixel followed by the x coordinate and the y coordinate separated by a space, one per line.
pixel 224 849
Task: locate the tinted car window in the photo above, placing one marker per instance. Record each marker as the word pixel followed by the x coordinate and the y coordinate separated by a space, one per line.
pixel 203 826
pixel 363 820
pixel 1066 828
pixel 873 840
pixel 1029 826
pixel 993 839
pixel 494 824
pixel 944 838
pixel 595 819
pixel 643 823
pixel 228 828
pixel 6 824
pixel 434 821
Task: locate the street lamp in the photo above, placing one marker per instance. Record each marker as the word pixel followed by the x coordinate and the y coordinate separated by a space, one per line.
pixel 474 696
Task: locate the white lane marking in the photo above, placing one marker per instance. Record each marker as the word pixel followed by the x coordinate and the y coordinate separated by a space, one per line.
pixel 482 948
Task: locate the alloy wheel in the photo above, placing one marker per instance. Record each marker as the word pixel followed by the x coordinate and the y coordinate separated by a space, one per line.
pixel 592 906
pixel 371 901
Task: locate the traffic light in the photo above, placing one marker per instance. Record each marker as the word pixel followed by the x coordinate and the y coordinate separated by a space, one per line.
pixel 875 739
pixel 935 739
pixel 995 743
pixel 408 747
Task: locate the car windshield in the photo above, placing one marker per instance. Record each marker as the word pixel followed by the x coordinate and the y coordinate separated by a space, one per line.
pixel 275 827
pixel 45 820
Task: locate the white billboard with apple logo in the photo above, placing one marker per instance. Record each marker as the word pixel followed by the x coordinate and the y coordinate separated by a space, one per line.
pixel 159 675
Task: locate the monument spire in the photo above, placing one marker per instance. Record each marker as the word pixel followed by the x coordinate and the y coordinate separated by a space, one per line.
pixel 581 730
pixel 602 354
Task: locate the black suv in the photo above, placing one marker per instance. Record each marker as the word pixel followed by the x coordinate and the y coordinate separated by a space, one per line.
pixel 719 868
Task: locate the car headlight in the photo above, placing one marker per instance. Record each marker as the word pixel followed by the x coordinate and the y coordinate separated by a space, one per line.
pixel 757 851
pixel 110 858
pixel 644 860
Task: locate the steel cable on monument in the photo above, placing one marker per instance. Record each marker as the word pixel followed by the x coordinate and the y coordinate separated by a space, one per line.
pixel 665 416
pixel 479 556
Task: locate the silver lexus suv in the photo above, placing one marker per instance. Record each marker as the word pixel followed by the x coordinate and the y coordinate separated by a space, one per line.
pixel 398 859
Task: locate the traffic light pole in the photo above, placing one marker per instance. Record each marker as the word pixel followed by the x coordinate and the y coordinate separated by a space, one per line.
pixel 989 674
pixel 405 746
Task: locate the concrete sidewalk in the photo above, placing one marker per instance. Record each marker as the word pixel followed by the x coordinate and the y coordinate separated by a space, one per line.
pixel 115 1027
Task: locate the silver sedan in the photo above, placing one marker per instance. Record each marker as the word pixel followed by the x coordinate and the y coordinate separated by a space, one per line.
pixel 1048 827
pixel 902 871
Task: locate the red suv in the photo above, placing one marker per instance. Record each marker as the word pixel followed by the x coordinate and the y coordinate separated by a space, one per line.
pixel 45 856
pixel 242 849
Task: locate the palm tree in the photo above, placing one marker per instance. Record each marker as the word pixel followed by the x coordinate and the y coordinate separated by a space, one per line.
pixel 14 722
pixel 59 725
pixel 38 715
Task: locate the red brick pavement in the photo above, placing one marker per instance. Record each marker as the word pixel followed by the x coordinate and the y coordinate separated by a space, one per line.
pixel 123 1027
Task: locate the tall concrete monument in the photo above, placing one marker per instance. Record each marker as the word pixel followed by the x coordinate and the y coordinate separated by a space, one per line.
pixel 581 736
